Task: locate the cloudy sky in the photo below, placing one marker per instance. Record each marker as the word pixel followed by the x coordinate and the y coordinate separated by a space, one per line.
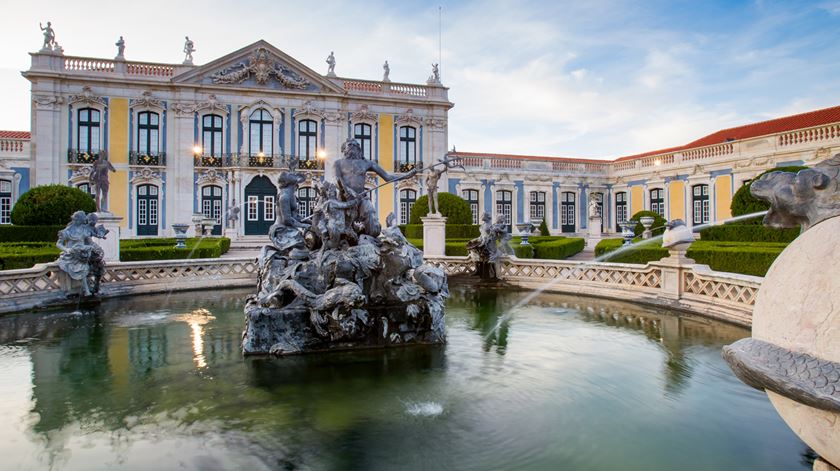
pixel 580 78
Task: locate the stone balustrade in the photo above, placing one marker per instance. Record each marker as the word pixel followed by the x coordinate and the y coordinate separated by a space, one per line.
pixel 689 288
pixel 371 87
pixel 13 146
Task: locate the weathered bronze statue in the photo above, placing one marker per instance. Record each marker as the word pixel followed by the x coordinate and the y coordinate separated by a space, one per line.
pixel 81 258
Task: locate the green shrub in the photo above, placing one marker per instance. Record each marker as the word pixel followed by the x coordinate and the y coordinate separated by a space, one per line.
pixel 749 258
pixel 745 203
pixel 544 228
pixel 456 248
pixel 524 251
pixel 658 225
pixel 454 208
pixel 558 249
pixel 135 250
pixel 50 205
pixel 13 233
pixel 748 233
pixel 15 255
pixel 453 231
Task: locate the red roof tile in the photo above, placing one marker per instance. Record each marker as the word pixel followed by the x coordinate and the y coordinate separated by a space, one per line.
pixel 14 135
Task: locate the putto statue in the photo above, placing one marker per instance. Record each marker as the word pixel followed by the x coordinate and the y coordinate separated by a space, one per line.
pixel 189 48
pixel 488 248
pixel 335 280
pixel 81 258
pixel 100 180
pixel 49 36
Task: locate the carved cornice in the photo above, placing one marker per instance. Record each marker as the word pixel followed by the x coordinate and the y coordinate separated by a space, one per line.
pixel 333 117
pixel 307 110
pixel 435 123
pixel 147 100
pixel 88 98
pixel 211 176
pixel 363 115
pixel 188 109
pixel 408 118
pixel 146 175
pixel 47 102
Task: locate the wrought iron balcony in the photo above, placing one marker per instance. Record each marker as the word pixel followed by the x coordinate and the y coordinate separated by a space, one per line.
pixel 311 164
pixel 404 167
pixel 278 161
pixel 75 156
pixel 145 158
pixel 264 160
pixel 209 161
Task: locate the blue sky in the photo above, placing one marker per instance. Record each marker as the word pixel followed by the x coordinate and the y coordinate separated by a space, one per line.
pixel 582 79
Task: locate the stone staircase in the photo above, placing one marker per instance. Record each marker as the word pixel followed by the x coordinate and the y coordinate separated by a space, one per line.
pixel 246 246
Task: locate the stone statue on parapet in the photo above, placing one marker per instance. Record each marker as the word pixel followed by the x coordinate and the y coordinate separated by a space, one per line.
pixel 351 173
pixel 386 72
pixel 81 258
pixel 435 77
pixel 49 37
pixel 331 64
pixel 99 179
pixel 120 48
pixel 189 48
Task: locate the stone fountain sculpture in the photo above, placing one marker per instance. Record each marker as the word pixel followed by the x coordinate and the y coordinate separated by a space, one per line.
pixel 338 280
pixel 489 247
pixel 81 258
pixel 794 351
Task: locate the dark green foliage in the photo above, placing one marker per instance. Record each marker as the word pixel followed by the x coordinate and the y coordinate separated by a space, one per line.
pixel 749 258
pixel 745 203
pixel 135 250
pixel 658 225
pixel 12 233
pixel 50 205
pixel 748 233
pixel 454 208
pixel 456 247
pixel 453 231
pixel 524 251
pixel 544 228
pixel 15 255
pixel 558 249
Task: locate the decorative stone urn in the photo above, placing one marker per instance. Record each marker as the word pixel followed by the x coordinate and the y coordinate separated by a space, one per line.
pixel 627 231
pixel 646 221
pixel 180 235
pixel 794 351
pixel 525 229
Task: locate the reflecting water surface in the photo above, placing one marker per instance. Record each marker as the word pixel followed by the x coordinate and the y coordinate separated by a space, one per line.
pixel 568 383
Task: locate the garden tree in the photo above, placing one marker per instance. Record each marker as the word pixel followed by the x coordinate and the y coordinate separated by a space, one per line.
pixel 544 228
pixel 743 202
pixel 50 205
pixel 454 208
pixel 658 225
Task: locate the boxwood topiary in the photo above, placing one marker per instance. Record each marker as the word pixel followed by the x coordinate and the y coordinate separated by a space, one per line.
pixel 544 228
pixel 658 225
pixel 743 202
pixel 50 205
pixel 452 207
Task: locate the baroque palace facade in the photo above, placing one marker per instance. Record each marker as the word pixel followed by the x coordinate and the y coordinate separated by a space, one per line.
pixel 188 140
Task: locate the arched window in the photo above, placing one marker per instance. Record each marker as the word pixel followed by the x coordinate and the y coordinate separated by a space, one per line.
pixel 700 204
pixel 148 131
pixel 537 206
pixel 567 211
pixel 147 210
pixel 407 199
pixel 307 139
pixel 211 135
pixel 362 133
pixel 260 139
pixel 88 131
pixel 620 209
pixel 504 206
pixel 408 148
pixel 657 201
pixel 306 201
pixel 471 197
pixel 5 202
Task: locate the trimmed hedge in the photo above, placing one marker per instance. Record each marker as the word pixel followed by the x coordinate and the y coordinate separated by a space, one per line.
pixel 748 233
pixel 135 250
pixel 658 225
pixel 15 255
pixel 49 205
pixel 743 202
pixel 544 228
pixel 453 231
pixel 749 258
pixel 548 248
pixel 558 249
pixel 453 207
pixel 13 233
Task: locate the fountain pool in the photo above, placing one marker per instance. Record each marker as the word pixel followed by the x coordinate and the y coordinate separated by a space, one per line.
pixel 568 383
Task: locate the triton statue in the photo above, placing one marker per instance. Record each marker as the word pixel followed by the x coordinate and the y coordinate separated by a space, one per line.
pixel 336 280
pixel 794 351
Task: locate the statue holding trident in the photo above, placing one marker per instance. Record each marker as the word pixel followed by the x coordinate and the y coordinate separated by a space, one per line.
pixel 99 179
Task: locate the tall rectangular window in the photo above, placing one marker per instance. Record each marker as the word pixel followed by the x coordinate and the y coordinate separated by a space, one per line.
pixel 700 204
pixel 268 207
pixel 253 201
pixel 657 201
pixel 307 139
pixel 88 131
pixel 211 135
pixel 408 145
pixel 5 202
pixel 306 201
pixel 620 209
pixel 260 139
pixel 567 211
pixel 537 206
pixel 504 207
pixel 471 197
pixel 148 131
pixel 407 199
pixel 362 133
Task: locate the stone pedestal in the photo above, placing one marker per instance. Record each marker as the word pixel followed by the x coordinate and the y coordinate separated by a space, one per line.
pixel 111 244
pixel 594 234
pixel 231 233
pixel 672 272
pixel 434 235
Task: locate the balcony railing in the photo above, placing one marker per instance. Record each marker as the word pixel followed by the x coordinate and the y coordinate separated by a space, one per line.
pixel 257 161
pixel 311 164
pixel 75 156
pixel 145 158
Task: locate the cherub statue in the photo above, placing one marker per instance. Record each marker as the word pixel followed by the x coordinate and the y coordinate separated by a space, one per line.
pixel 502 235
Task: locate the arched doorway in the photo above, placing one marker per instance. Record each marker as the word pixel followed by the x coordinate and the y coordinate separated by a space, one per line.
pixel 260 197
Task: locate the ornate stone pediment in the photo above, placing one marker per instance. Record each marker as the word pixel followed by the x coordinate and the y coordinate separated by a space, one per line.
pixel 262 66
pixel 211 105
pixel 211 176
pixel 88 98
pixel 147 100
pixel 146 175
pixel 308 110
pixel 364 114
pixel 408 119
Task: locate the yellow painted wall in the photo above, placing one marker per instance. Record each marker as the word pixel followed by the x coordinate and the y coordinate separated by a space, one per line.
pixel 676 200
pixel 637 200
pixel 723 197
pixel 118 155
pixel 386 160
